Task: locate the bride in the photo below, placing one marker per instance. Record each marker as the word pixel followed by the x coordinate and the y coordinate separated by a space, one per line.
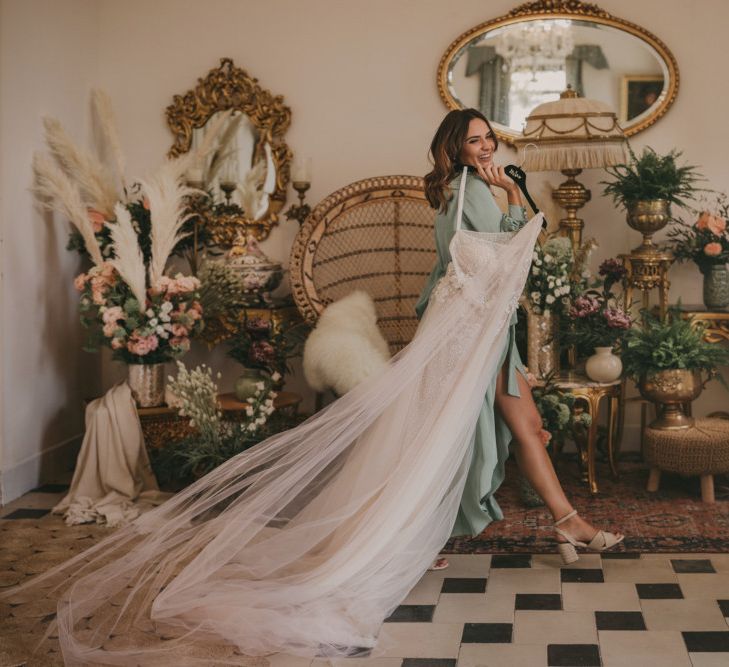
pixel 305 543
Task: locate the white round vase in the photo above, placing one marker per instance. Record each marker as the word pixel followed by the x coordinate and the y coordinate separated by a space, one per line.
pixel 603 366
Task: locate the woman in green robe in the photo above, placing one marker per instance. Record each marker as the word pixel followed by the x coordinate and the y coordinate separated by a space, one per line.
pixel 508 413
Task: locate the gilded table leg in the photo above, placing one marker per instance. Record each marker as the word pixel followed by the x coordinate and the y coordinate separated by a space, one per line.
pixel 613 409
pixel 592 444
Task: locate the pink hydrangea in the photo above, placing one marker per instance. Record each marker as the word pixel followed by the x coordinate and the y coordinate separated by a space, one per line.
pixel 617 319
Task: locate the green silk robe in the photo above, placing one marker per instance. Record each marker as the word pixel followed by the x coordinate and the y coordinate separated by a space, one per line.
pixel 492 437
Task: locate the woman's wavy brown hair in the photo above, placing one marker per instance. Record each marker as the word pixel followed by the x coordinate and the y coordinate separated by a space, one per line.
pixel 445 150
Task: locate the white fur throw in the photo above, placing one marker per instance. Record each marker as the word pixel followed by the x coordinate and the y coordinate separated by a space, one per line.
pixel 346 346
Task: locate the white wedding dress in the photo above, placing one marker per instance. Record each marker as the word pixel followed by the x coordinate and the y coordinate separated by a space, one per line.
pixel 305 543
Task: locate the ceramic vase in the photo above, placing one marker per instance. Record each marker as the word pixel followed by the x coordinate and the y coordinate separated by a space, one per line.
pixel 147 382
pixel 246 384
pixel 542 343
pixel 603 366
pixel 716 286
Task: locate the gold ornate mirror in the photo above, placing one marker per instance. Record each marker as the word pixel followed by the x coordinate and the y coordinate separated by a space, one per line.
pixel 507 66
pixel 247 172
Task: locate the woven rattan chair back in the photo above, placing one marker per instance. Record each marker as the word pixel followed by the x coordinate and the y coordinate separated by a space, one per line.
pixel 374 235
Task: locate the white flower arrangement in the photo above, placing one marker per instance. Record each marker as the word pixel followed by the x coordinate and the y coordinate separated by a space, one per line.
pixel 548 285
pixel 215 438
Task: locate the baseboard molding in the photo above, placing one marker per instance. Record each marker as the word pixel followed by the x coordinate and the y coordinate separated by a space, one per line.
pixel 47 465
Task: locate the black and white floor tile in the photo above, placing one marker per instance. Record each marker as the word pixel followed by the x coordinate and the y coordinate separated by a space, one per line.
pixel 611 610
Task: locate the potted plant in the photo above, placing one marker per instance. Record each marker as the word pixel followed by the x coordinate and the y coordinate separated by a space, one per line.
pixel 547 295
pixel 647 186
pixel 598 324
pixel 706 242
pixel 263 348
pixel 211 436
pixel 666 360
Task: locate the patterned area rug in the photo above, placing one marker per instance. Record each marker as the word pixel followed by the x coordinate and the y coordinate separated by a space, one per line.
pixel 671 520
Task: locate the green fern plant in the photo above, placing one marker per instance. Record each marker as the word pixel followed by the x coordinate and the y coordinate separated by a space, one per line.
pixel 671 344
pixel 652 176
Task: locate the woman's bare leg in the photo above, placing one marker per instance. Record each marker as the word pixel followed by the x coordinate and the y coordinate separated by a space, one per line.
pixel 525 423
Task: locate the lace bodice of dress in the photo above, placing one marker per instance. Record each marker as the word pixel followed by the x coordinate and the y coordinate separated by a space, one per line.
pixel 471 252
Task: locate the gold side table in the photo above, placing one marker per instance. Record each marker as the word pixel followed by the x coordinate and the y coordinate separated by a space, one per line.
pixel 715 321
pixel 590 394
pixel 645 272
pixel 281 312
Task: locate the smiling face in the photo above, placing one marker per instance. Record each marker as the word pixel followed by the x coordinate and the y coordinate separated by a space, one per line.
pixel 480 144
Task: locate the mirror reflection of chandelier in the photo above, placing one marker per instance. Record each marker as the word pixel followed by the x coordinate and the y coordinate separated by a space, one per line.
pixel 536 45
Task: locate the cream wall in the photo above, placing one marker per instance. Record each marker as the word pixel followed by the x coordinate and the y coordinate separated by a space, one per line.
pixel 360 79
pixel 47 63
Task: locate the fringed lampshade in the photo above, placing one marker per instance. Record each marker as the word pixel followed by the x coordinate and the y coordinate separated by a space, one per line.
pixel 572 134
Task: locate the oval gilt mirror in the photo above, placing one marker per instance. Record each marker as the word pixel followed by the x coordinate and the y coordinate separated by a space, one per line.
pixel 507 66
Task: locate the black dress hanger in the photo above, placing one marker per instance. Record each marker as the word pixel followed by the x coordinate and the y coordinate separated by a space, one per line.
pixel 518 175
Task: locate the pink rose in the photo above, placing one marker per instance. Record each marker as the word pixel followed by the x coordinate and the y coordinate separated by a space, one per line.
pixel 141 345
pixel 712 249
pixel 186 283
pixel 195 310
pixel 165 284
pixel 179 330
pixel 703 221
pixel 97 293
pixel 180 343
pixel 79 281
pixel 117 343
pixel 97 220
pixel 113 315
pixel 716 225
pixel 545 437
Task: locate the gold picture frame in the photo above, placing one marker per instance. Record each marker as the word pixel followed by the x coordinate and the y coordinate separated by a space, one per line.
pixel 638 93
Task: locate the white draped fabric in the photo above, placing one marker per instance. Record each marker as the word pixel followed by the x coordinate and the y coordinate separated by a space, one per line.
pixel 305 543
pixel 113 478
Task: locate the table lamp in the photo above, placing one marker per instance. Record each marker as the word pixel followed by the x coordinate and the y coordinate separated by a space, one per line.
pixel 571 134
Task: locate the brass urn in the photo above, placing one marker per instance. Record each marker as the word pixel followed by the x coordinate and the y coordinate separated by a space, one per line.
pixel 672 389
pixel 647 217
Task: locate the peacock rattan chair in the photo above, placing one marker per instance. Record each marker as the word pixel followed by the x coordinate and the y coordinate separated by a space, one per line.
pixel 374 235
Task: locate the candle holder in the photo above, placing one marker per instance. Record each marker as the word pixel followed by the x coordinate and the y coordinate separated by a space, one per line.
pixel 301 211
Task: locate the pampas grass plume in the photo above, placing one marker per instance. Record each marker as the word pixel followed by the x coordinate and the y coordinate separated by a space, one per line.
pixel 56 191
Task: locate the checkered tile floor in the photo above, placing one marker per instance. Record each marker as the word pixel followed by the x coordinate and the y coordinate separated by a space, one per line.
pixel 627 610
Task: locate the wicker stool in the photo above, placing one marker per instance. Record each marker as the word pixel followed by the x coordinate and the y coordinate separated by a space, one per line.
pixel 701 450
